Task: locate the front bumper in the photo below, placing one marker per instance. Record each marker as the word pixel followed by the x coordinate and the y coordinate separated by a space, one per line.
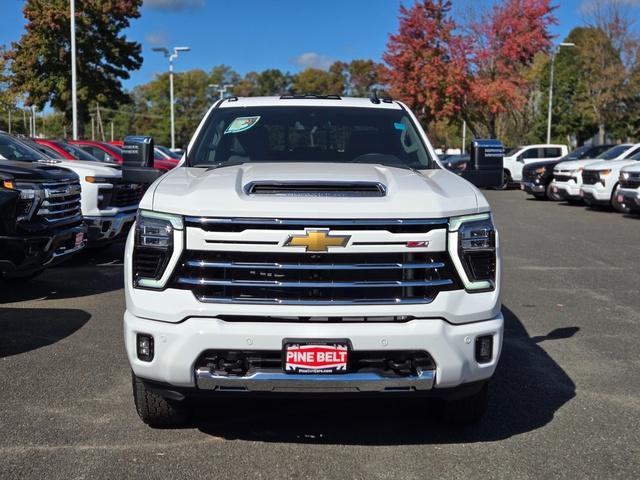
pixel 24 254
pixel 595 194
pixel 109 228
pixel 532 188
pixel 630 197
pixel 566 190
pixel 177 346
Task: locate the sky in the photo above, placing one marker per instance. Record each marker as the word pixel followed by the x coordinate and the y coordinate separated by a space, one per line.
pixel 259 34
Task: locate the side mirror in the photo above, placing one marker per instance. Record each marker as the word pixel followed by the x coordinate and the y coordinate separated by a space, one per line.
pixel 137 160
pixel 486 164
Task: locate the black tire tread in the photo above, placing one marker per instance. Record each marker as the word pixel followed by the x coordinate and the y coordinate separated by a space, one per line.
pixel 155 410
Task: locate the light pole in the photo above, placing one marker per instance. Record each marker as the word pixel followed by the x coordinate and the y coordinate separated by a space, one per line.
pixel 221 89
pixel 553 62
pixel 74 92
pixel 171 57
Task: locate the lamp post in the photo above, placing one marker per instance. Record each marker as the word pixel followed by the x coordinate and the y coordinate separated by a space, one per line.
pixel 171 57
pixel 553 62
pixel 221 89
pixel 74 91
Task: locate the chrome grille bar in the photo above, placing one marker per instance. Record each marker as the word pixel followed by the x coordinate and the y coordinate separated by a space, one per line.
pixel 308 266
pixel 276 283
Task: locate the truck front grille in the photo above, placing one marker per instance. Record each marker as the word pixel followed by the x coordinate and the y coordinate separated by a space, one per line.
pixel 562 177
pixel 590 177
pixel 61 202
pixel 632 181
pixel 315 279
pixel 126 194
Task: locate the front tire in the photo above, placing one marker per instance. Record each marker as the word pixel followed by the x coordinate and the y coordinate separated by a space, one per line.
pixel 155 410
pixel 468 410
pixel 618 207
pixel 506 180
pixel 551 195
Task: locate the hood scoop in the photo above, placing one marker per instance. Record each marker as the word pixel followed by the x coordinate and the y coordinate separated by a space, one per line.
pixel 316 189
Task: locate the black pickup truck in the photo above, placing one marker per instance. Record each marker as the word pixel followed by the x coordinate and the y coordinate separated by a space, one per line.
pixel 40 218
pixel 537 176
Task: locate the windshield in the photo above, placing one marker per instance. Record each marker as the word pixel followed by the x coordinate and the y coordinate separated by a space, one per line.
pixel 11 149
pixel 310 134
pixel 167 151
pixel 77 152
pixel 614 152
pixel 578 153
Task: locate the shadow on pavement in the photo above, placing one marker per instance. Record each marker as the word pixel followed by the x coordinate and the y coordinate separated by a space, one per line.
pixel 90 272
pixel 26 329
pixel 528 389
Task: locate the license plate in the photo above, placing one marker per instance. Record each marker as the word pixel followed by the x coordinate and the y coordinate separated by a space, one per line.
pixel 315 357
pixel 79 239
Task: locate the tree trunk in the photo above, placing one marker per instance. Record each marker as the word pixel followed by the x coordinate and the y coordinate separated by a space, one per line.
pixel 601 134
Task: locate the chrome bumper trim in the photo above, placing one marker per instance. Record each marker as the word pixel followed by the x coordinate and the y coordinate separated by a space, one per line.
pixel 309 383
pixel 116 225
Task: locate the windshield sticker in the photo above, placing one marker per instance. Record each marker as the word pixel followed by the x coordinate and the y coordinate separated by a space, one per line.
pixel 399 126
pixel 241 124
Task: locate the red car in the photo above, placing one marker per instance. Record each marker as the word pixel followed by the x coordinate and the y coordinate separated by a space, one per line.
pixel 159 158
pixel 105 152
pixel 61 149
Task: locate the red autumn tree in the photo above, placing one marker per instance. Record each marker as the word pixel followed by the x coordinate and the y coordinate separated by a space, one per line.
pixel 427 64
pixel 502 43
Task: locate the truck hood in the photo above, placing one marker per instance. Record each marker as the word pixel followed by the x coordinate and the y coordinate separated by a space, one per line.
pixel 574 164
pixel 36 172
pixel 611 164
pixel 98 169
pixel 634 167
pixel 221 192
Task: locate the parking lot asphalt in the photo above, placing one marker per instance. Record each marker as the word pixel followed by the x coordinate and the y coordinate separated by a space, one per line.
pixel 565 402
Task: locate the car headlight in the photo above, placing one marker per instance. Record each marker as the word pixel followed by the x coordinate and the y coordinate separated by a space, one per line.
pixel 30 198
pixel 540 170
pixel 624 176
pixel 155 242
pixel 604 173
pixel 472 246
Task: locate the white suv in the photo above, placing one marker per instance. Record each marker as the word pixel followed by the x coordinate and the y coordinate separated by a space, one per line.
pixel 516 158
pixel 567 176
pixel 600 180
pixel 629 187
pixel 312 244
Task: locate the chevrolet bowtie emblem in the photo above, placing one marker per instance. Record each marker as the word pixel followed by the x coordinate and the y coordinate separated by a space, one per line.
pixel 317 241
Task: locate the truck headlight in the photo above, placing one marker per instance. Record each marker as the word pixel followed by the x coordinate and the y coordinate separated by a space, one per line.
pixel 30 198
pixel 604 173
pixel 472 245
pixel 157 244
pixel 541 170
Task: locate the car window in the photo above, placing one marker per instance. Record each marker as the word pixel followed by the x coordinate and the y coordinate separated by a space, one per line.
pixel 634 154
pixel 77 152
pixel 552 152
pixel 96 152
pixel 48 151
pixel 614 152
pixel 310 134
pixel 530 153
pixel 13 150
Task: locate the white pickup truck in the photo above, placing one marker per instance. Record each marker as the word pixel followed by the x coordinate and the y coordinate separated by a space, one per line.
pixel 516 158
pixel 629 187
pixel 312 245
pixel 109 205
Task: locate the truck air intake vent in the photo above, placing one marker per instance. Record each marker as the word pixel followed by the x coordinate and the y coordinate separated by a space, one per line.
pixel 317 189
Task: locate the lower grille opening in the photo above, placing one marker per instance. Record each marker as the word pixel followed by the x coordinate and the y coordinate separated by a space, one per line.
pixel 391 363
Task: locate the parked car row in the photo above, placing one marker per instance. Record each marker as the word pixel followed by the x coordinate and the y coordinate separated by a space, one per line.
pixel 57 197
pixel 604 175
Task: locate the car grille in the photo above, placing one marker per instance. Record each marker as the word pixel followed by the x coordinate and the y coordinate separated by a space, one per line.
pixel 590 177
pixel 562 177
pixel 529 175
pixel 61 201
pixel 126 194
pixel 633 181
pixel 312 278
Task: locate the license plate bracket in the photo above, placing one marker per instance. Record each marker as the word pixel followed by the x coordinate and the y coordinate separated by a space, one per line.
pixel 316 356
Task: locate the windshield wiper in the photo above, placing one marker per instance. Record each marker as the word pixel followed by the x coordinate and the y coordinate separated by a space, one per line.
pixel 213 166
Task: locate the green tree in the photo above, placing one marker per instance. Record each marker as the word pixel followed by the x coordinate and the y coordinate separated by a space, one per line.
pixel 41 59
pixel 314 80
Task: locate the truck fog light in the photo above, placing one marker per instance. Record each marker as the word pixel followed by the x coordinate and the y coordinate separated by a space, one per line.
pixel 484 348
pixel 144 347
